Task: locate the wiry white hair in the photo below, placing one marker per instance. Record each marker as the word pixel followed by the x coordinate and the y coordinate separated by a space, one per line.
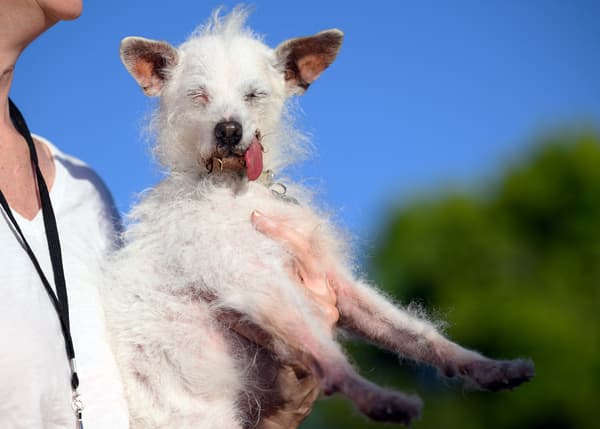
pixel 289 144
pixel 193 255
pixel 227 25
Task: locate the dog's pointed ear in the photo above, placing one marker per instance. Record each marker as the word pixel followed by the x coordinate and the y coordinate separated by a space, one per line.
pixel 148 61
pixel 304 58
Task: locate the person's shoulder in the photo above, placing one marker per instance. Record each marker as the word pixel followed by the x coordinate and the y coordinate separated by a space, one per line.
pixel 83 180
pixel 74 165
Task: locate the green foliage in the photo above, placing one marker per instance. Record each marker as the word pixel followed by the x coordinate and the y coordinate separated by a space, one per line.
pixel 515 271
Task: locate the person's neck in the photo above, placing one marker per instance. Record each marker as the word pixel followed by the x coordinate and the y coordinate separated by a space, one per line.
pixel 5 81
pixel 8 134
pixel 18 29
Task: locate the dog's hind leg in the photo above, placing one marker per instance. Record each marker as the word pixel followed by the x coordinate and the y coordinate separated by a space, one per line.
pixel 286 324
pixel 367 314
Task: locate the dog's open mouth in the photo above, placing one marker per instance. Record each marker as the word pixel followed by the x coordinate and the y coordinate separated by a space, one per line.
pixel 250 161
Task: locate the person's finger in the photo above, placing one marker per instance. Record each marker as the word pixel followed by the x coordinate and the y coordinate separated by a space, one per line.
pixel 335 281
pixel 331 292
pixel 319 286
pixel 305 267
pixel 316 283
pixel 331 314
pixel 296 242
pixel 277 230
pixel 298 395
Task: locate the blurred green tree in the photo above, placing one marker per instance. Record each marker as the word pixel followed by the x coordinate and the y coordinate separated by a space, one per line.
pixel 515 270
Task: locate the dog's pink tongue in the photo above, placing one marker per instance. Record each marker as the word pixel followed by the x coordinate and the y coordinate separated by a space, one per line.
pixel 254 160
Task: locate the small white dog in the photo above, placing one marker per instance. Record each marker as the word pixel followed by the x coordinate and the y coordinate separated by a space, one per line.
pixel 194 277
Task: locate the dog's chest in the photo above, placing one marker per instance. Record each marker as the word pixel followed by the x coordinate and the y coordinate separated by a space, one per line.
pixel 208 232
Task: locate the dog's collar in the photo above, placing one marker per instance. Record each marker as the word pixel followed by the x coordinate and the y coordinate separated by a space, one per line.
pixel 278 189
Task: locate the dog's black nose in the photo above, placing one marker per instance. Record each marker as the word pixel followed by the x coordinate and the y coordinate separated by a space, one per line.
pixel 228 133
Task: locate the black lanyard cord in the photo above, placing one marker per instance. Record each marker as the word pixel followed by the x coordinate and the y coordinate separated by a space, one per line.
pixel 59 299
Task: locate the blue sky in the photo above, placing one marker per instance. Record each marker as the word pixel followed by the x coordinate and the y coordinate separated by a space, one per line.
pixel 424 94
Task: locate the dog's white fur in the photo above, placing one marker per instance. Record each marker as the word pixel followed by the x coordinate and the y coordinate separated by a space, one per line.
pixel 191 237
pixel 179 371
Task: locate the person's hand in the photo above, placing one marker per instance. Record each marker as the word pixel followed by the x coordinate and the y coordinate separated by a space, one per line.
pixel 307 268
pixel 299 388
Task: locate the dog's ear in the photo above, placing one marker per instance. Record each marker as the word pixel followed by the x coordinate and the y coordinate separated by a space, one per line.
pixel 148 61
pixel 304 58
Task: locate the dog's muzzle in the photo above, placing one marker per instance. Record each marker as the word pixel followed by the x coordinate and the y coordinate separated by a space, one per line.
pixel 227 158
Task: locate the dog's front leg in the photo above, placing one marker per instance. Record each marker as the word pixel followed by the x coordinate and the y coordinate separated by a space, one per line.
pixel 366 313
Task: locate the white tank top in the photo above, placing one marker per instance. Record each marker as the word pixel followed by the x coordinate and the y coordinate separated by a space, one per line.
pixel 34 371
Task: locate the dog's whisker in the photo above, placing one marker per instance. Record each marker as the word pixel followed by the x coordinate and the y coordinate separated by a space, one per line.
pixel 263 134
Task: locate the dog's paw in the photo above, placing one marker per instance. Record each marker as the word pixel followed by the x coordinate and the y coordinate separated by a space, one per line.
pixel 495 375
pixel 392 407
pixel 375 402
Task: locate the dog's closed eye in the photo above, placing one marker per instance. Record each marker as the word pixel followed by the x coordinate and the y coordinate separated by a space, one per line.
pixel 255 95
pixel 199 95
